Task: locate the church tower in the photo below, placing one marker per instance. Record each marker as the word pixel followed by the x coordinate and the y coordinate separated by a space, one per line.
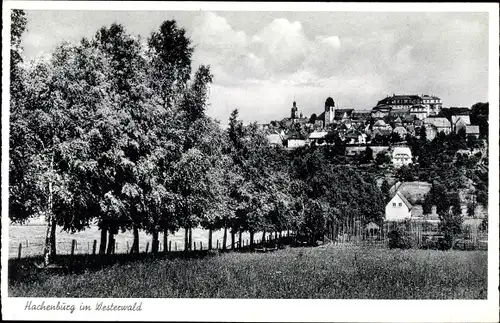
pixel 329 111
pixel 294 110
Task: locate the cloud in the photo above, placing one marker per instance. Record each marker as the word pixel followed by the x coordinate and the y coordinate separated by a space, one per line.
pixel 262 61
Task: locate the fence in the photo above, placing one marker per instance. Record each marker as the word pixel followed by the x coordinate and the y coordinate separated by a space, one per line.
pixel 419 233
pixel 27 248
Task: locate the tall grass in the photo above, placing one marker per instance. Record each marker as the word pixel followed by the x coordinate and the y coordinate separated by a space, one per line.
pixel 292 273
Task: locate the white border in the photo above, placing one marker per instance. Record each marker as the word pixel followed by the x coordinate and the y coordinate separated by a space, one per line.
pixel 275 310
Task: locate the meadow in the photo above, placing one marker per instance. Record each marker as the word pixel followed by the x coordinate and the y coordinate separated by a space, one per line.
pixel 300 273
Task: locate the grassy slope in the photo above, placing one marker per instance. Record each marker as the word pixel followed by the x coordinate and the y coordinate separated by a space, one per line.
pixel 292 273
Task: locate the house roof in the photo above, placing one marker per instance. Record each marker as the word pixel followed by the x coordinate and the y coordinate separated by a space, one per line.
pixel 438 122
pixel 472 129
pixel 353 134
pixel 400 129
pixel 318 134
pixel 380 123
pixel 274 138
pixel 462 118
pixel 413 191
pixel 403 198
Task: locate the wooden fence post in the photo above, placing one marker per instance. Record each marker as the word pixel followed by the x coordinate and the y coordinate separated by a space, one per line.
pixel 94 247
pixel 19 251
pixel 147 246
pixel 201 245
pixel 170 245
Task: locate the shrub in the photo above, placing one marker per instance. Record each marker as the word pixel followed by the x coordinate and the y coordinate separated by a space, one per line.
pixel 399 239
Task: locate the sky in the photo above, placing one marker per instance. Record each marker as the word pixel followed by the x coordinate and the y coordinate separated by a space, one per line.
pixel 263 61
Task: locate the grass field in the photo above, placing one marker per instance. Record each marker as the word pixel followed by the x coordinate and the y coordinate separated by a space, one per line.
pixel 334 273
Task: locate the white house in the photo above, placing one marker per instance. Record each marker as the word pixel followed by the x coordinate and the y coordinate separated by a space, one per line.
pixel 294 143
pixel 401 156
pixel 318 137
pixel 398 208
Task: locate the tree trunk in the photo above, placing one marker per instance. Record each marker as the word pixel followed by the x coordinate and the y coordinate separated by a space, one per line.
pixel 224 239
pixel 49 252
pixel 190 239
pixel 233 236
pixel 210 239
pixel 251 239
pixel 186 240
pixel 155 242
pixel 104 241
pixel 264 236
pixel 135 244
pixel 240 239
pixel 111 242
pixel 165 240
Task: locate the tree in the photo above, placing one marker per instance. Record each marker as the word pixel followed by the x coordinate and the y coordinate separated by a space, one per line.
pixel 423 134
pixel 368 155
pixel 313 118
pixel 479 115
pixel 382 158
pixel 385 188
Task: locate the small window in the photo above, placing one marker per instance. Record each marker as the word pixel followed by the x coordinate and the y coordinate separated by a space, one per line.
pixel 393 204
pixel 400 204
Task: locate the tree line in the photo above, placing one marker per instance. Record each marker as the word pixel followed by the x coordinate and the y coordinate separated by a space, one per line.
pixel 113 131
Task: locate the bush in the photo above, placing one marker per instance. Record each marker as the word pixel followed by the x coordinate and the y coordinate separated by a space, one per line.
pixel 399 239
pixel 437 242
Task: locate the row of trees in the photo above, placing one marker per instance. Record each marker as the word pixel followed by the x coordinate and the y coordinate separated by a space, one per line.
pixel 113 131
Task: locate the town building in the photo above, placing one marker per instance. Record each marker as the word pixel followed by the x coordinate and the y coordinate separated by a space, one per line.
pixel 472 131
pixel 419 111
pixel 435 125
pixel 459 122
pixel 401 156
pixel 398 208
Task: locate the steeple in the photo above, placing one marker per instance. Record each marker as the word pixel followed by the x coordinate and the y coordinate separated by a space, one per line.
pixel 294 110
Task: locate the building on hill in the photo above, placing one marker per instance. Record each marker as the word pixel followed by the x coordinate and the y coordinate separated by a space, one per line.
pixel 397 102
pixel 459 122
pixel 381 125
pixel 328 115
pixel 410 195
pixel 472 131
pixel 419 111
pixel 401 113
pixel 343 114
pixel 275 139
pixel 433 103
pixel 401 156
pixel 381 111
pixel 401 131
pixel 398 208
pixel 361 115
pixel 295 117
pixel 421 106
pixel 434 125
pixel 413 191
pixel 318 138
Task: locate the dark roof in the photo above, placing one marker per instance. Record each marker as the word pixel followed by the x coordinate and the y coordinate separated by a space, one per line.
pixel 390 99
pixel 329 102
